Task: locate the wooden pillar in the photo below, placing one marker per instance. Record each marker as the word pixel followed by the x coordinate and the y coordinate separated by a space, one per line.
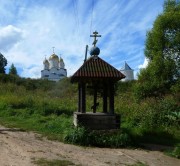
pixel 95 99
pixel 83 98
pixel 105 99
pixel 79 97
pixel 111 98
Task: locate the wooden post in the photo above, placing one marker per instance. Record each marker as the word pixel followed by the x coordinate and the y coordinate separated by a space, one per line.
pixel 111 98
pixel 86 53
pixel 79 97
pixel 95 99
pixel 83 98
pixel 105 99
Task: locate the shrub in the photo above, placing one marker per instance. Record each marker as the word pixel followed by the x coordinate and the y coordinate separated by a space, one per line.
pixel 176 151
pixel 85 137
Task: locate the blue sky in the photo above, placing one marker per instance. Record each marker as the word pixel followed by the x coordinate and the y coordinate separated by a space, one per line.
pixel 30 28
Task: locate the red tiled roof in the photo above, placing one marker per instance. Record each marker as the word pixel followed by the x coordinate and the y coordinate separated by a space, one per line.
pixel 95 67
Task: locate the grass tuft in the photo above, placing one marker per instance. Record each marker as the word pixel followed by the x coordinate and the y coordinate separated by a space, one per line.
pixel 45 162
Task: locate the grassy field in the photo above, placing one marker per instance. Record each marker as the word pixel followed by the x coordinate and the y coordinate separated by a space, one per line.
pixel 47 107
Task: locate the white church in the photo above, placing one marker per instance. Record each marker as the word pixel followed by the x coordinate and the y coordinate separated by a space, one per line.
pixel 54 68
pixel 128 72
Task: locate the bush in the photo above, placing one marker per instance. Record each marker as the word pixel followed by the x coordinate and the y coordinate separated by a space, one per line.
pixel 176 151
pixel 28 83
pixel 85 137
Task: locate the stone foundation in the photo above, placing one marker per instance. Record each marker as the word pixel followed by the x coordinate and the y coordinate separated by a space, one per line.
pixel 97 121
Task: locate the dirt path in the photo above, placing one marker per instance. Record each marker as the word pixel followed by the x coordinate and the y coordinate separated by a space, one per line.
pixel 19 148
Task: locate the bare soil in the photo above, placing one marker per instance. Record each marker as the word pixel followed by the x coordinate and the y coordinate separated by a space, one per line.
pixel 18 148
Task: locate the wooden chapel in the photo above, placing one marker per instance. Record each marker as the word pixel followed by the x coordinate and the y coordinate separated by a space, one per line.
pixel 99 75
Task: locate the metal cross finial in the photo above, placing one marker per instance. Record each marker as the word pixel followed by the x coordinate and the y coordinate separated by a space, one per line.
pixel 53 49
pixel 95 35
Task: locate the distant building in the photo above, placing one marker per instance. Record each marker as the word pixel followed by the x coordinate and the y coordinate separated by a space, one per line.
pixel 54 69
pixel 128 72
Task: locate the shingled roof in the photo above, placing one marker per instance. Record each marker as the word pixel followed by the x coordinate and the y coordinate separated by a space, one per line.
pixel 95 67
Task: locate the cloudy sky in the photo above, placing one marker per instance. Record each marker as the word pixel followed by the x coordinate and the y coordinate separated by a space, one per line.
pixel 30 28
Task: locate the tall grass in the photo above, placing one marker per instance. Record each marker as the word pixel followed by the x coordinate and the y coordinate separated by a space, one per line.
pixel 37 109
pixel 153 120
pixel 48 109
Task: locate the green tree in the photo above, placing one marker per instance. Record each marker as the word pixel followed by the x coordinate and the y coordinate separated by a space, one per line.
pixel 162 48
pixel 12 70
pixel 3 63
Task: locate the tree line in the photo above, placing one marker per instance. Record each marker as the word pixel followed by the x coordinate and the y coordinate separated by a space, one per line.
pixel 3 63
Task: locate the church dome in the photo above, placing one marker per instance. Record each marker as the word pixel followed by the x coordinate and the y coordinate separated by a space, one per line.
pixel 61 63
pixel 53 57
pixel 94 51
pixel 45 61
pixel 61 60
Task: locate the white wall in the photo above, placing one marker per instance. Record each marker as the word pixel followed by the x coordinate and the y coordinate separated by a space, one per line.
pixel 129 75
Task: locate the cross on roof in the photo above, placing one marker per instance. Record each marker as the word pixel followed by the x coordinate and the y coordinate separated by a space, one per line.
pixel 53 49
pixel 95 35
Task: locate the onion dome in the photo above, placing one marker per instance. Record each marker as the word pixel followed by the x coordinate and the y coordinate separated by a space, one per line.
pixel 53 57
pixel 94 51
pixel 61 60
pixel 45 61
pixel 61 63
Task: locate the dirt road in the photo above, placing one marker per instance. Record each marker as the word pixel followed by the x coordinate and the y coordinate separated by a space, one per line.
pixel 18 148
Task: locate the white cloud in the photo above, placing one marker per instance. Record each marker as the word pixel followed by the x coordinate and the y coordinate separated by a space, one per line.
pixel 9 36
pixel 44 24
pixel 34 72
pixel 145 64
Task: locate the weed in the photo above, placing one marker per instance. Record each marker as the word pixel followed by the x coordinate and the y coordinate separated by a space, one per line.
pixel 175 152
pixel 85 137
pixel 45 162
